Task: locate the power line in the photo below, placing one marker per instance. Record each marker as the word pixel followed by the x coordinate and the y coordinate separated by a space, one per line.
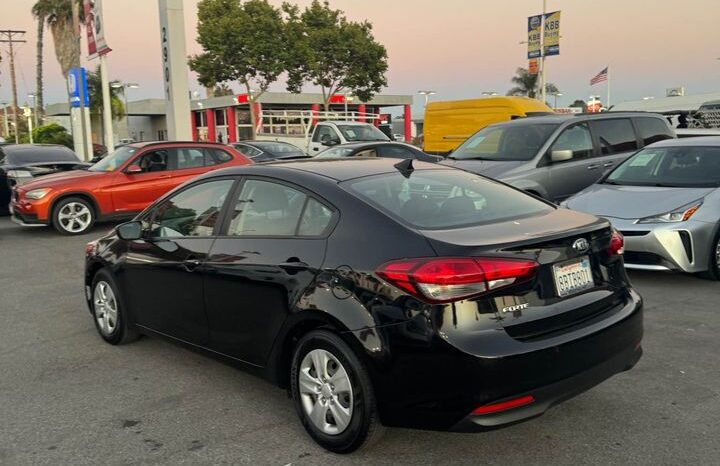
pixel 10 37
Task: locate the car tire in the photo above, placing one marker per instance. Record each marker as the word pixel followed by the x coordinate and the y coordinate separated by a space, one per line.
pixel 73 216
pixel 351 399
pixel 109 312
pixel 713 271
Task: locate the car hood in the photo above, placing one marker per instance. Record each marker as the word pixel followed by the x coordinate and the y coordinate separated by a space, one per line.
pixel 489 168
pixel 62 178
pixel 633 202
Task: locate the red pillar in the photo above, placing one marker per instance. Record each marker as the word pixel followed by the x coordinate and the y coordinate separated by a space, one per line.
pixel 408 123
pixel 210 115
pixel 315 108
pixel 231 125
pixel 193 128
pixel 361 111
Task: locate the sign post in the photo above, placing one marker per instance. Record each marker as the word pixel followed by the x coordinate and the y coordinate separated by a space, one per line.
pixel 79 101
pixel 95 27
pixel 174 63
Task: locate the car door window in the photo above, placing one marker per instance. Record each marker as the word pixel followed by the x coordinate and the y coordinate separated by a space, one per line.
pixel 324 133
pixel 216 157
pixel 187 157
pixel 154 161
pixel 192 212
pixel 248 150
pixel 576 139
pixel 395 152
pixel 265 208
pixel 615 135
pixel 652 130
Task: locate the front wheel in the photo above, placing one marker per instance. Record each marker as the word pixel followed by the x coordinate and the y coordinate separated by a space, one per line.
pixel 73 216
pixel 713 272
pixel 333 393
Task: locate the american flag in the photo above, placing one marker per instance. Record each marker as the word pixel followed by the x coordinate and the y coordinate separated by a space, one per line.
pixel 600 77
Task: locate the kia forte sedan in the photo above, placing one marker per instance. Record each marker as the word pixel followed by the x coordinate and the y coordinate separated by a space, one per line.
pixel 378 292
pixel 666 201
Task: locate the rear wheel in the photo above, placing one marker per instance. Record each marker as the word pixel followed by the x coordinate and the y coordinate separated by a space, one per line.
pixel 713 272
pixel 333 394
pixel 73 216
pixel 109 313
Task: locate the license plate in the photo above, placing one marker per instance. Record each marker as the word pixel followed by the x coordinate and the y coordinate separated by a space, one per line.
pixel 572 277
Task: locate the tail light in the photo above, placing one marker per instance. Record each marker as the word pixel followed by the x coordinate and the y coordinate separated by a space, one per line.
pixel 505 405
pixel 443 280
pixel 617 243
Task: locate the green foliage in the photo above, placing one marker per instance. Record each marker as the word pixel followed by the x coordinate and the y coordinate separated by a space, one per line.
pixel 329 51
pixel 50 134
pixel 94 82
pixel 527 84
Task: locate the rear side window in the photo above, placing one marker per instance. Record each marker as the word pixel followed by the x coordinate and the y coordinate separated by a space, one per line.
pixel 652 130
pixel 188 157
pixel 444 199
pixel 615 135
pixel 217 156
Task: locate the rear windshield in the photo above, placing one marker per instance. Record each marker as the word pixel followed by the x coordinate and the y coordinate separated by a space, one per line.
pixel 445 199
pixel 334 152
pixel 39 154
pixel 505 142
pixel 681 167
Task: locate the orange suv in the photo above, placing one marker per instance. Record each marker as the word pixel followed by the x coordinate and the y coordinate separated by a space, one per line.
pixel 118 186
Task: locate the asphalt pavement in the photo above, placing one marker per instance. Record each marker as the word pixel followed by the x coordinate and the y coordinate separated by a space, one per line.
pixel 67 398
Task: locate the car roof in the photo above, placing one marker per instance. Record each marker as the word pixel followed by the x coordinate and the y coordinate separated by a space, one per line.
pixel 263 143
pixel 562 118
pixel 141 144
pixel 341 169
pixel 358 144
pixel 712 141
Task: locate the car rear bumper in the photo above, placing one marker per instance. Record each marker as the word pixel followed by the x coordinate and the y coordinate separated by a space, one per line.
pixel 683 246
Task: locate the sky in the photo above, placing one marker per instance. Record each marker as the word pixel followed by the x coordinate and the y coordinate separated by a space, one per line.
pixel 457 48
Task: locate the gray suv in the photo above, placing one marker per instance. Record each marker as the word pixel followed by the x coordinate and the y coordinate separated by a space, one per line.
pixel 556 156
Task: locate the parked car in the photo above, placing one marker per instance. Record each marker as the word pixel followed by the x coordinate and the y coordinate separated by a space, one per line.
pixel 666 202
pixel 379 292
pixel 394 150
pixel 119 186
pixel 265 151
pixel 20 163
pixel 554 157
pixel 696 132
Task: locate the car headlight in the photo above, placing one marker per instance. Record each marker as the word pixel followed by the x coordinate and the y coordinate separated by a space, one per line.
pixel 37 193
pixel 680 215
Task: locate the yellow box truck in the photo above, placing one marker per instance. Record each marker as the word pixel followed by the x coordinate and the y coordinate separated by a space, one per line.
pixel 448 124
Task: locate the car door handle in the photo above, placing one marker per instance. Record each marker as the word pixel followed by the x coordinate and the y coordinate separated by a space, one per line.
pixel 191 264
pixel 593 166
pixel 293 264
pixel 608 164
pixel 315 149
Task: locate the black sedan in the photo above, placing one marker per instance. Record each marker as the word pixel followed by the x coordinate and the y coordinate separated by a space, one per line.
pixel 393 150
pixel 20 163
pixel 379 292
pixel 267 151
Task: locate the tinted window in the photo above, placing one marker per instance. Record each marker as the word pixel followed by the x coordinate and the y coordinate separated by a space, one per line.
pixel 615 136
pixel 442 199
pixel 114 160
pixel 21 155
pixel 576 139
pixel 154 161
pixel 192 212
pixel 248 150
pixel 280 150
pixel 266 209
pixel 322 131
pixel 690 166
pixel 335 152
pixel 652 130
pixel 187 158
pixel 505 142
pixel 315 219
pixel 218 156
pixel 393 151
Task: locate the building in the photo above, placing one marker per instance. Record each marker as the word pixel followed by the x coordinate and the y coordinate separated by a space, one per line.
pixel 228 119
pixel 680 103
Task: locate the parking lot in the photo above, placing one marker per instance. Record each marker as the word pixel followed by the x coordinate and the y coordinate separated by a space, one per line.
pixel 68 398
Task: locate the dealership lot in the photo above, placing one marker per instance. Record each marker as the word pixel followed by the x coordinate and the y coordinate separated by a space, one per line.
pixel 68 398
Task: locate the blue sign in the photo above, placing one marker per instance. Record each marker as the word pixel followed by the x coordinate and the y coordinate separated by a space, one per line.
pixel 77 87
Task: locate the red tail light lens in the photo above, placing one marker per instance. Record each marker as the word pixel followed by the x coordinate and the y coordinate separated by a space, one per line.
pixel 505 405
pixel 617 243
pixel 443 280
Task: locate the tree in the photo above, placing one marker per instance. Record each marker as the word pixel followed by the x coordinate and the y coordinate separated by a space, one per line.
pixel 50 134
pixel 94 83
pixel 63 16
pixel 40 11
pixel 579 103
pixel 222 90
pixel 333 53
pixel 527 84
pixel 241 42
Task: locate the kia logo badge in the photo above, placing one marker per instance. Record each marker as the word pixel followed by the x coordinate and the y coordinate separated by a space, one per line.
pixel 581 245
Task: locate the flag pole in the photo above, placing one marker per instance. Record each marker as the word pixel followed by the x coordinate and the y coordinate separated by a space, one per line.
pixel 608 88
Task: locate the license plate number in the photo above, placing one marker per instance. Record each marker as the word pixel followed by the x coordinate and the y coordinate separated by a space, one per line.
pixel 572 277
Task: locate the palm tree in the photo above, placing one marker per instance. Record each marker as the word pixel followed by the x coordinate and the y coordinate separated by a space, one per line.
pixel 94 82
pixel 527 84
pixel 62 17
pixel 39 12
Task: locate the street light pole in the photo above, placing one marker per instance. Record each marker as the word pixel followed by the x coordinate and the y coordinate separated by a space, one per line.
pixel 125 87
pixel 427 94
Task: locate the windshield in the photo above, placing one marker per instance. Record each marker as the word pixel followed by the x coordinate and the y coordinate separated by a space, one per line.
pixel 362 133
pixel 690 166
pixel 445 199
pixel 115 160
pixel 334 152
pixel 505 142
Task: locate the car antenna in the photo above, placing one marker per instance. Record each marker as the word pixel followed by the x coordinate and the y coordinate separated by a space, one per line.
pixel 405 167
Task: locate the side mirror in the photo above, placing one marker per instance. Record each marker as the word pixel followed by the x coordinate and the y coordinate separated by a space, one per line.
pixel 330 142
pixel 130 231
pixel 561 155
pixel 132 169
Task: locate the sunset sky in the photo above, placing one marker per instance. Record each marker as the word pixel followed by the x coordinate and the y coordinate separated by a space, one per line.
pixel 458 48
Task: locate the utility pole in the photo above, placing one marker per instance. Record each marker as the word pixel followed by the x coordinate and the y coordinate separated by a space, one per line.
pixel 8 36
pixel 542 52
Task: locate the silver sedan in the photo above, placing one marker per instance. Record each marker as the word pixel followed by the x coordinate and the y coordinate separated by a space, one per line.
pixel 665 200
